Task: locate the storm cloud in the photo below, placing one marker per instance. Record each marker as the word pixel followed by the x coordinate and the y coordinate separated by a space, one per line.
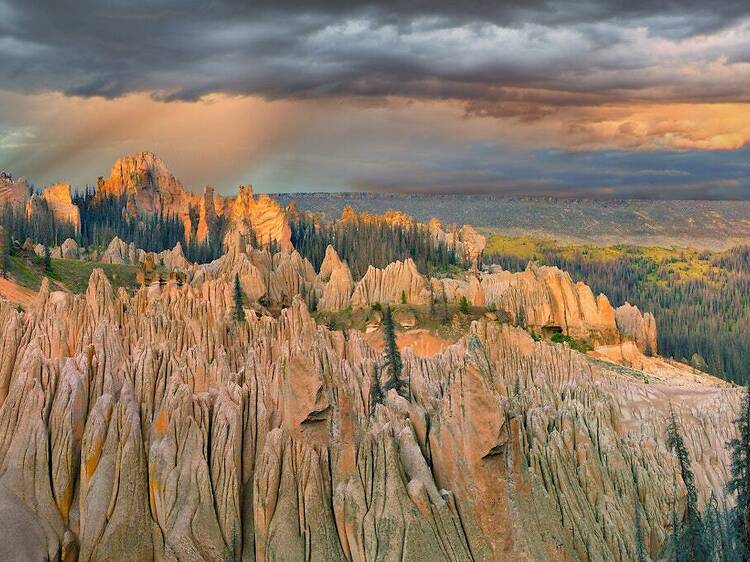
pixel 391 95
pixel 507 57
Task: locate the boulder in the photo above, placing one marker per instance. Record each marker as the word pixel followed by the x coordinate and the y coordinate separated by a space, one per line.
pixel 69 249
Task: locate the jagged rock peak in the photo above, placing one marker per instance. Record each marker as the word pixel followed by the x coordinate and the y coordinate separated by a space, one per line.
pixel 60 202
pixel 261 219
pixel 13 191
pixel 638 326
pixel 144 170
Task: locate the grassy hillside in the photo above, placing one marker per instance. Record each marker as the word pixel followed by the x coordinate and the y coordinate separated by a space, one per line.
pixel 71 275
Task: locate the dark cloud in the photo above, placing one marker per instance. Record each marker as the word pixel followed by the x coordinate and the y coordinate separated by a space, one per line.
pixel 476 51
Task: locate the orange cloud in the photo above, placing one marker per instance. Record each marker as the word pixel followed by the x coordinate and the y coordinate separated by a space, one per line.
pixel 666 126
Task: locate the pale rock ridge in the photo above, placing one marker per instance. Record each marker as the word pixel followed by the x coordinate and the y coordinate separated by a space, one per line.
pixel 15 192
pixel 640 327
pixel 154 425
pixel 399 281
pixel 337 281
pixel 118 252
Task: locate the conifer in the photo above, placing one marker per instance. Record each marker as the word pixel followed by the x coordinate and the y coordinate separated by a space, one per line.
pixel 392 354
pixel 239 311
pixel 739 483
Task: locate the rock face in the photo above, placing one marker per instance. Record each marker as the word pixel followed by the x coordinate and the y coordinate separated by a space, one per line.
pixel 399 282
pixel 207 218
pixel 640 327
pixel 15 192
pixel 60 202
pixel 154 426
pixel 118 252
pixel 260 220
pixel 467 241
pixel 337 280
pixel 145 178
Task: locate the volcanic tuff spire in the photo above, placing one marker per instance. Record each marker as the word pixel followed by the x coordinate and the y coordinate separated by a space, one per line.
pixel 154 425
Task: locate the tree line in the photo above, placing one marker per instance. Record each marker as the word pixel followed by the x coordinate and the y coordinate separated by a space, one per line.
pixel 376 243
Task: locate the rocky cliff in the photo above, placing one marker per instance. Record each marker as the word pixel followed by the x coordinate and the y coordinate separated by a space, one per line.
pixel 256 221
pixel 154 426
pixel 147 182
pixel 151 188
pixel 57 198
pixel 13 191
pixel 60 202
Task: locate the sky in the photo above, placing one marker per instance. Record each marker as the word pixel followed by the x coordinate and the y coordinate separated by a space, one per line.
pixel 592 98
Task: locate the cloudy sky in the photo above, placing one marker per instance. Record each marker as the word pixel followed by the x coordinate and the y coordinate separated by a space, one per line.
pixel 592 98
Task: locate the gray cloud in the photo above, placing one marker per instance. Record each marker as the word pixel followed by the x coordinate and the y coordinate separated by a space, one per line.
pixel 491 54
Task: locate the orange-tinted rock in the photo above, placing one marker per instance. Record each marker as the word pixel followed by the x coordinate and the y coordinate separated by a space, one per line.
pixel 59 201
pixel 261 220
pixel 147 177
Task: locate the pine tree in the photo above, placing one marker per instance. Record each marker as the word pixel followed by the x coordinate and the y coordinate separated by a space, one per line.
pixel 739 483
pixel 5 246
pixel 392 355
pixel 239 311
pixel 691 546
pixel 640 547
pixel 47 260
pixel 432 298
pixel 463 305
pixel 376 390
pixel 445 306
pixel 715 533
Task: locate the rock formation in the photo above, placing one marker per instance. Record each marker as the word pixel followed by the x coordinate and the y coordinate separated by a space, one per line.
pixel 256 221
pixel 69 250
pixel 546 298
pixel 337 280
pixel 60 203
pixel 146 177
pixel 396 283
pixel 155 426
pixel 468 243
pixel 640 327
pixel 118 252
pixel 151 188
pixel 15 192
